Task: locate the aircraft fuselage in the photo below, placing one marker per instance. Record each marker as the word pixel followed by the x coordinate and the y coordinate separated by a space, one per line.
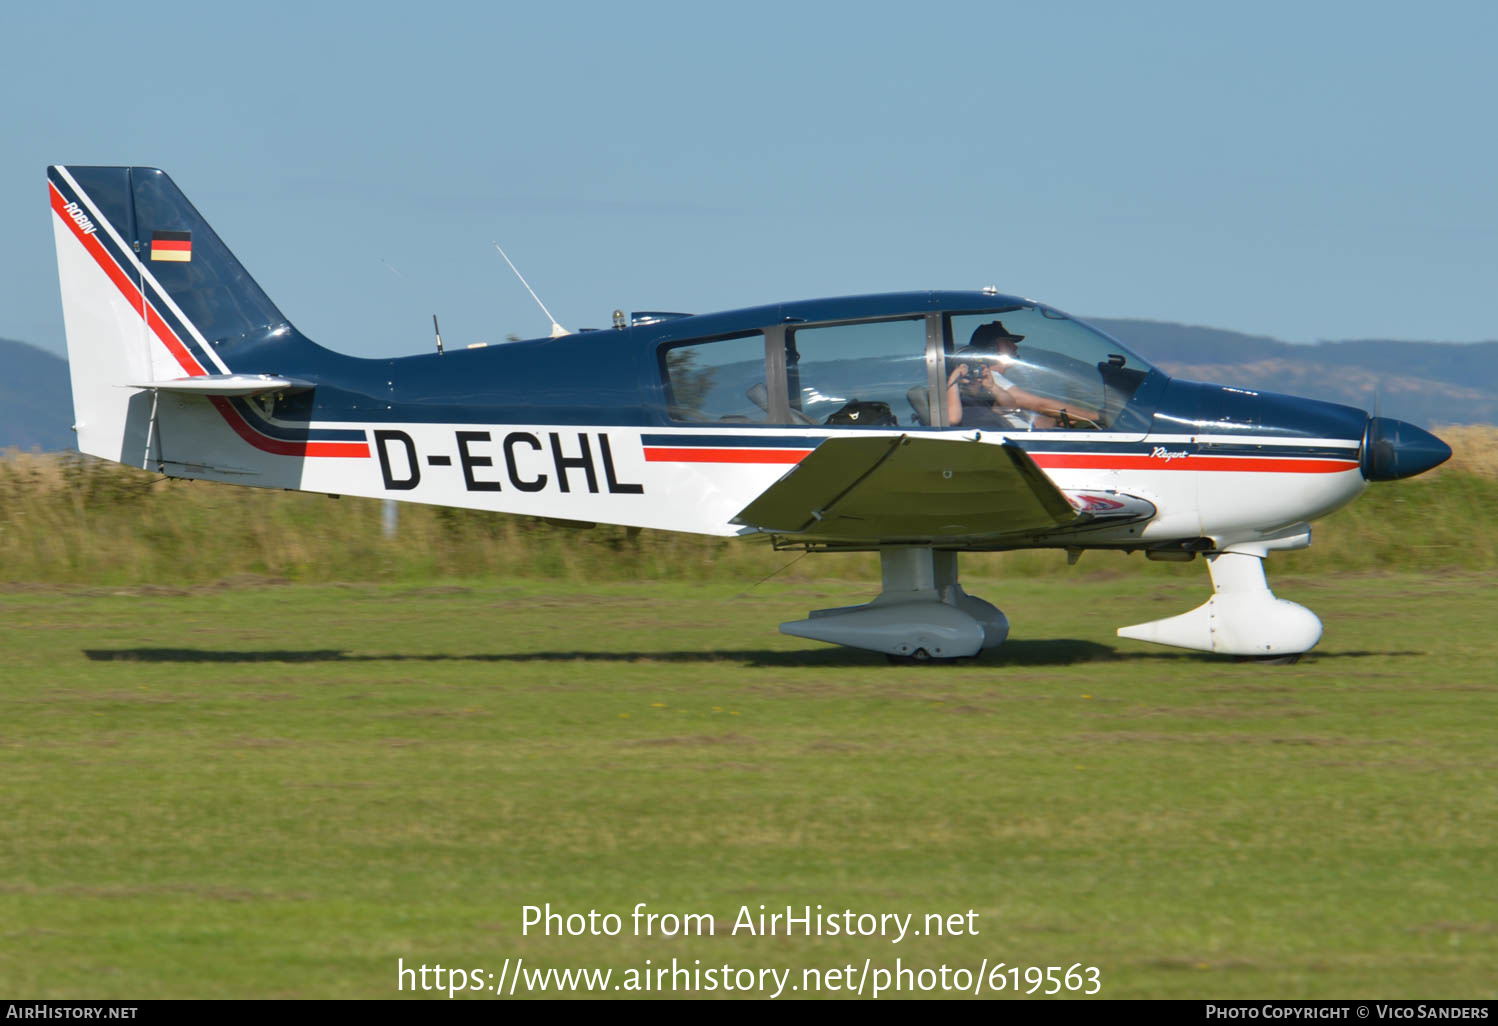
pixel 583 428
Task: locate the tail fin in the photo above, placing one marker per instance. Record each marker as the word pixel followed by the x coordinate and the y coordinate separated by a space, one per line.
pixel 150 295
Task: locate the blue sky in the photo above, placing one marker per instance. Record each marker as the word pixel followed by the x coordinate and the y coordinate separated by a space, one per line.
pixel 1302 170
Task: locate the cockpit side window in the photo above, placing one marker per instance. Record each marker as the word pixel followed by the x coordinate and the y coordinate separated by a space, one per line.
pixel 867 374
pixel 719 381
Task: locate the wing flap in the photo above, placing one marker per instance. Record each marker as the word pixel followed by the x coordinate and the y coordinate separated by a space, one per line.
pixel 884 489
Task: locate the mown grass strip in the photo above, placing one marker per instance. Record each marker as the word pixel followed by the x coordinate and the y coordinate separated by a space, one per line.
pixel 279 790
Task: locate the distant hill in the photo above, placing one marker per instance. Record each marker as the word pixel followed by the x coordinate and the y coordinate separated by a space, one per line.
pixel 1422 382
pixel 1426 383
pixel 36 402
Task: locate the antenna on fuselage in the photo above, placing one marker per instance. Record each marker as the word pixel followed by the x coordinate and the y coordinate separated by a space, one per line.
pixel 397 272
pixel 557 331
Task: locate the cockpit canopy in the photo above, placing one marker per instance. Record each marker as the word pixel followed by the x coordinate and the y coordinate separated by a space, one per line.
pixel 898 371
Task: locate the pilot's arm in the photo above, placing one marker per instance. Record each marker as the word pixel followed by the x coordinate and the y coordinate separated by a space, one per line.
pixel 954 394
pixel 1015 396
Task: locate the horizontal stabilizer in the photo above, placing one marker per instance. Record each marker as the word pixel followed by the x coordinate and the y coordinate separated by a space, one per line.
pixel 226 385
pixel 905 489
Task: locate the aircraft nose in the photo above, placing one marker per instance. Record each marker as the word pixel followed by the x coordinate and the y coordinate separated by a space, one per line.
pixel 1393 449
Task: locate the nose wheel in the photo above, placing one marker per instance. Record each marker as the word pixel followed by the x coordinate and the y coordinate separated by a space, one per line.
pixel 1287 660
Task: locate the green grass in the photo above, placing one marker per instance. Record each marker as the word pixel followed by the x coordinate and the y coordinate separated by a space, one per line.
pixel 268 790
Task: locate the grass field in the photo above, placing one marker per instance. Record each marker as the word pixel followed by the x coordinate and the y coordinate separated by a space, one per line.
pixel 262 789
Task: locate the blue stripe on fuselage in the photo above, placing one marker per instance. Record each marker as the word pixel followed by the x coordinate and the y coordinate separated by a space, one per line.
pixel 292 432
pixel 725 440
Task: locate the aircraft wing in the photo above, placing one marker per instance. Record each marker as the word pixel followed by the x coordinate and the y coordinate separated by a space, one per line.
pixel 890 490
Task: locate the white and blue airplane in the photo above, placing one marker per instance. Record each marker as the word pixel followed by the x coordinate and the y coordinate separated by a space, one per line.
pixel 918 425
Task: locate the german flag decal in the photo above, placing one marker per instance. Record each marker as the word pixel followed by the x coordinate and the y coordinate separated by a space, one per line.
pixel 171 246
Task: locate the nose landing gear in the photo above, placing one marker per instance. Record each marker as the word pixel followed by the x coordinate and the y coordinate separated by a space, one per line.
pixel 1243 617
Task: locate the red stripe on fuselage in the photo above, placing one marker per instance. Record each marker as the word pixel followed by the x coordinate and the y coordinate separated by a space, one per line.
pixel 1228 464
pixel 671 454
pixel 1049 461
pixel 185 359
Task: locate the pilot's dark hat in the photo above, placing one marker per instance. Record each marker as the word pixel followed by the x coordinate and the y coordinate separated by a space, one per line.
pixel 992 333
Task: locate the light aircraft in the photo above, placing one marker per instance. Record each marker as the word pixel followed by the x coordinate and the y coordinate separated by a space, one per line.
pixel 858 423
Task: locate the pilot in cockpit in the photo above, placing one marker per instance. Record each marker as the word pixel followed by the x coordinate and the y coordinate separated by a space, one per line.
pixel 979 394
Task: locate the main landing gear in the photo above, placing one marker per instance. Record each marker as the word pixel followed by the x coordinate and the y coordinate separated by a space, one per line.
pixel 922 613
